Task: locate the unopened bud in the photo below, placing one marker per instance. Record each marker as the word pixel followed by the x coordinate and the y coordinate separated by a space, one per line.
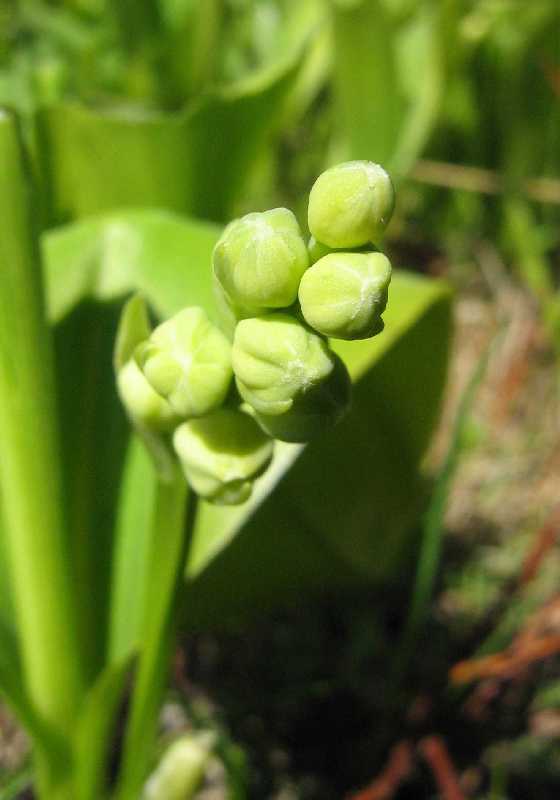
pixel 276 360
pixel 313 412
pixel 222 454
pixel 180 772
pixel 259 260
pixel 344 294
pixel 143 405
pixel 351 204
pixel 187 361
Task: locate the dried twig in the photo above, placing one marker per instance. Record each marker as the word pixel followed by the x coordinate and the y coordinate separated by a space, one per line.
pixel 544 541
pixel 543 622
pixel 506 664
pixel 484 693
pixel 435 752
pixel 538 629
pixel 397 770
pixel 516 363
pixel 483 181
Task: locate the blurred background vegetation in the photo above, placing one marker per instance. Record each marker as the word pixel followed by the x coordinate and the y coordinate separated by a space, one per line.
pixel 218 107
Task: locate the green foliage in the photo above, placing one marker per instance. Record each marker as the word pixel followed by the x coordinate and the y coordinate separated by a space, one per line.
pixel 34 523
pixel 389 76
pixel 145 122
pixel 99 160
pixel 416 318
pixel 96 729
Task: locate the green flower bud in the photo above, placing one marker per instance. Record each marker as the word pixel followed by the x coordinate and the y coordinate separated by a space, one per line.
pixel 222 454
pixel 181 769
pixel 151 415
pixel 344 294
pixel 144 406
pixel 187 360
pixel 260 259
pixel 351 204
pixel 276 360
pixel 312 413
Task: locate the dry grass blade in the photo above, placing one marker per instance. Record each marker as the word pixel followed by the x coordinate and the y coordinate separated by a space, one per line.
pixel 483 181
pixel 435 752
pixel 507 664
pixel 397 770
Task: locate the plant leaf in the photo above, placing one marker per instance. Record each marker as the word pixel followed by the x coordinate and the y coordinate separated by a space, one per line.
pixel 159 254
pixel 194 161
pixel 93 737
pixel 93 439
pixel 90 266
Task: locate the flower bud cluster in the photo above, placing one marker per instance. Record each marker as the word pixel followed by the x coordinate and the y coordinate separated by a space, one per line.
pixel 219 399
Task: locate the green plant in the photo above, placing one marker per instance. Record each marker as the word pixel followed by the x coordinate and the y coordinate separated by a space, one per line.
pixel 288 380
pixel 95 573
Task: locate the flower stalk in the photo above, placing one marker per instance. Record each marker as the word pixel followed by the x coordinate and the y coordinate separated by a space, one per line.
pixel 172 528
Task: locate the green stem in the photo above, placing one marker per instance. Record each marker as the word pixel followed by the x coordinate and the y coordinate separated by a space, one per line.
pixel 30 470
pixel 169 546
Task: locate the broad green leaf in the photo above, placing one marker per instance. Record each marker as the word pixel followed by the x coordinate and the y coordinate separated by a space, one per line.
pixel 93 436
pixel 162 255
pixel 90 267
pixel 95 726
pixel 194 161
pixel 30 476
